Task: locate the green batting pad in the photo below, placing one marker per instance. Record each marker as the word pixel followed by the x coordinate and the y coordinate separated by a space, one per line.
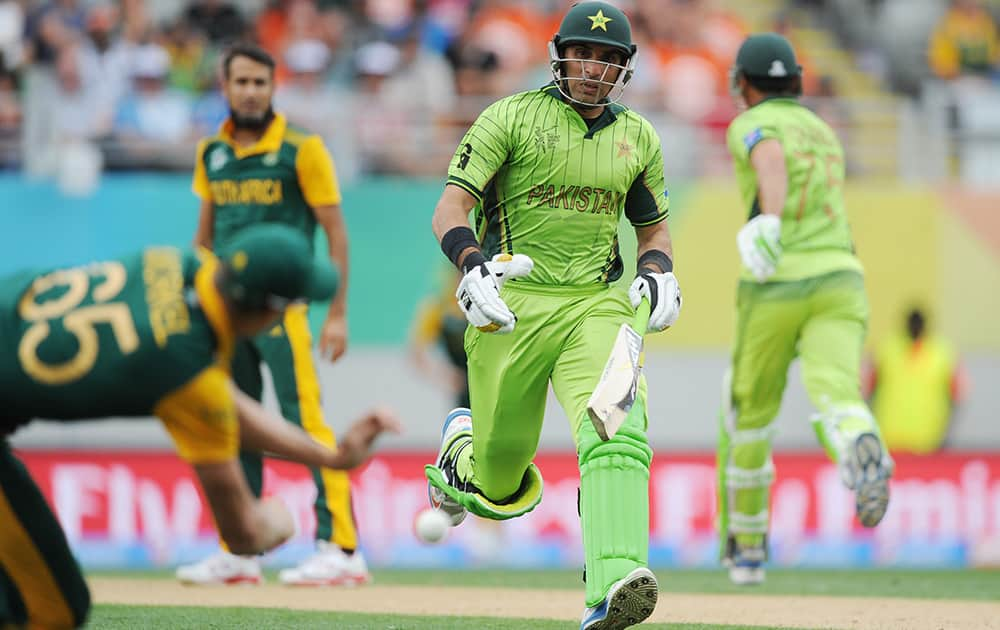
pixel 745 475
pixel 528 495
pixel 721 462
pixel 614 505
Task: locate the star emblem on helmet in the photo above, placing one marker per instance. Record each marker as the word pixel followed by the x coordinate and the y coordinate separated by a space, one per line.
pixel 598 21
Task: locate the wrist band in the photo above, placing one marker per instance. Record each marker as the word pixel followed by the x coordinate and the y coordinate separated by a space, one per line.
pixel 457 240
pixel 656 257
pixel 473 260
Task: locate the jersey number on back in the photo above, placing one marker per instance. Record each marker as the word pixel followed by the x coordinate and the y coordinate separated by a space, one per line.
pixel 833 164
pixel 103 281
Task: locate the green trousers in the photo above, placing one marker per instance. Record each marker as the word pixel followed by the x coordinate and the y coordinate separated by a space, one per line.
pixel 287 351
pixel 562 338
pixel 823 322
pixel 41 585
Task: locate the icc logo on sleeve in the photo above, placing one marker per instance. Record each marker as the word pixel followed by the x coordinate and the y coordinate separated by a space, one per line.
pixel 217 159
pixel 546 139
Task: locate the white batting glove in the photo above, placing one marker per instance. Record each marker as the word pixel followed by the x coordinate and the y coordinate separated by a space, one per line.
pixel 664 295
pixel 759 242
pixel 479 292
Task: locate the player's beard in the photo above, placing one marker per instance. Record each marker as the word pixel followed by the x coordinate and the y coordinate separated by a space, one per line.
pixel 252 123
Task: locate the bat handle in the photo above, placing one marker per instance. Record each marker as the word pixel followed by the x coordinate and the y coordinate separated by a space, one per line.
pixel 641 317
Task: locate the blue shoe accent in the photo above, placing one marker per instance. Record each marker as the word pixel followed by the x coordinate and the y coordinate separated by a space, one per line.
pixel 598 614
pixel 446 463
pixel 454 413
pixel 746 564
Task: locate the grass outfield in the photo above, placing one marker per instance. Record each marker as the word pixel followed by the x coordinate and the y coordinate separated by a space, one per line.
pixel 106 617
pixel 968 584
pixel 927 585
pixel 977 584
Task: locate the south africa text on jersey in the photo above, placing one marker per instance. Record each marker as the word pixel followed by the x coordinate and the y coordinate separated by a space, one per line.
pixel 168 314
pixel 263 192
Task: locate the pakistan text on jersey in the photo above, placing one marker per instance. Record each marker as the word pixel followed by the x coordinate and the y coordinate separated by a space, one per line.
pixel 587 199
pixel 264 192
pixel 818 138
pixel 168 314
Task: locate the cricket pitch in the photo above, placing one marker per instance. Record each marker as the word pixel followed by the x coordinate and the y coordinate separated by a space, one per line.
pixel 768 611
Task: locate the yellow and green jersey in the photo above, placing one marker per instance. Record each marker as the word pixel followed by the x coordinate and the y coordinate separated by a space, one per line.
pixel 815 235
pixel 145 334
pixel 553 188
pixel 281 178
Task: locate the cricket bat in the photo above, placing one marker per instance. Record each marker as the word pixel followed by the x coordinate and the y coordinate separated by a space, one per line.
pixel 615 393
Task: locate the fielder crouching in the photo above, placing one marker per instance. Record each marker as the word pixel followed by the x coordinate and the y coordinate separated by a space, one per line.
pixel 151 334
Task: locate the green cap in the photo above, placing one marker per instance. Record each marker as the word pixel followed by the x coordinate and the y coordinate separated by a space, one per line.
pixel 596 23
pixel 271 265
pixel 767 56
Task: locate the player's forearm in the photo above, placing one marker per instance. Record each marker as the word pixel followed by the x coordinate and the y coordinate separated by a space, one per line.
pixel 452 211
pixel 332 220
pixel 654 237
pixel 447 218
pixel 447 215
pixel 338 254
pixel 768 159
pixel 248 526
pixel 262 431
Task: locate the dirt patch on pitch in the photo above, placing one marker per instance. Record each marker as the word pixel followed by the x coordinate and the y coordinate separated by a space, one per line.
pixel 758 610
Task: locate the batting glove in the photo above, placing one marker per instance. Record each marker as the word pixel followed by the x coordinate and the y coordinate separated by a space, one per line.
pixel 479 292
pixel 664 295
pixel 759 242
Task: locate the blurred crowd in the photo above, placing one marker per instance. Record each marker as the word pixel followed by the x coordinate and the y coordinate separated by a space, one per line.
pixel 390 84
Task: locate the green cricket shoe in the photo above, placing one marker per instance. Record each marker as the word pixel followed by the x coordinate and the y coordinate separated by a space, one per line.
pixel 456 436
pixel 869 471
pixel 629 601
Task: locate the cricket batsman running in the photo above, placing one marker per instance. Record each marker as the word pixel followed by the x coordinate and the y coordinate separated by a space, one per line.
pixel 549 173
pixel 801 293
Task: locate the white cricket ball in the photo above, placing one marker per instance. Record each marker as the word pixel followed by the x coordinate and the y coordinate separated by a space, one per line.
pixel 432 525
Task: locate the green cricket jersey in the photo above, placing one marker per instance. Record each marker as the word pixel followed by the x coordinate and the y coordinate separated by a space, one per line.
pixel 815 235
pixel 552 188
pixel 280 179
pixel 143 334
